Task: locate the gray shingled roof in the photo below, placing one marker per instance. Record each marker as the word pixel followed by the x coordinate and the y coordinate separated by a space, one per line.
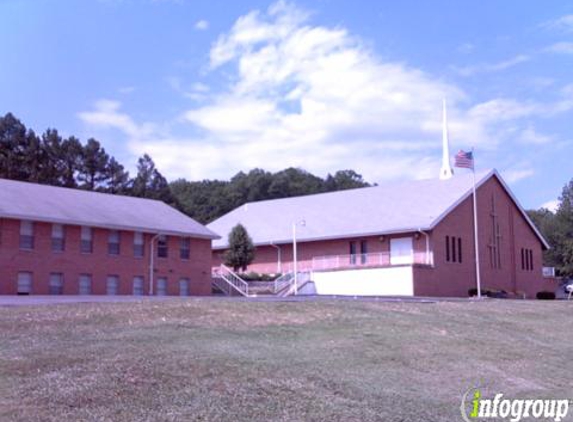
pixel 31 201
pixel 389 208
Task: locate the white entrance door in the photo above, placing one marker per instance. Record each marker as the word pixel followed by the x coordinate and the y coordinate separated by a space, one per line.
pixel 401 251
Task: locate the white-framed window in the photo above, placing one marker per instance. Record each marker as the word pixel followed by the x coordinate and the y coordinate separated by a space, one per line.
pixel 138 286
pixel 113 242
pixel 56 284
pixel 85 284
pixel 26 235
pixel 162 249
pixel 185 248
pixel 24 283
pixel 184 287
pixel 112 285
pixel 138 245
pixel 86 243
pixel 161 286
pixel 58 238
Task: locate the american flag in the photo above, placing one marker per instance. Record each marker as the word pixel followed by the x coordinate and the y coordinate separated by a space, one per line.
pixel 464 159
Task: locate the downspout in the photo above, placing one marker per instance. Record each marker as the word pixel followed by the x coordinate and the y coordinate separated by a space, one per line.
pixel 151 263
pixel 429 259
pixel 279 260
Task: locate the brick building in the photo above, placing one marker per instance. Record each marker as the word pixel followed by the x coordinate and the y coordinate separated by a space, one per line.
pixel 66 241
pixel 408 238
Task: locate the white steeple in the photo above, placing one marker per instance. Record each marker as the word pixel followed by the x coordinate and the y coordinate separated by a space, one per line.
pixel 446 171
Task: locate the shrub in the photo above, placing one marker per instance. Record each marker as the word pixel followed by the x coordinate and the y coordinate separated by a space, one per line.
pixel 545 295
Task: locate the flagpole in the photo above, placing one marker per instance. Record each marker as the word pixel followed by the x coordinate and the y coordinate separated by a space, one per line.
pixel 476 245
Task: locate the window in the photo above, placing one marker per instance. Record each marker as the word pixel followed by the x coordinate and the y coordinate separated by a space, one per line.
pixel 363 251
pixel 112 285
pixel 352 246
pixel 162 250
pixel 161 286
pixel 138 244
pixel 86 243
pixel 185 250
pixel 56 284
pixel 26 234
pixel 85 284
pixel 448 248
pixel 453 249
pixel 24 283
pixel 58 238
pixel 184 287
pixel 138 286
pixel 526 259
pixel 113 242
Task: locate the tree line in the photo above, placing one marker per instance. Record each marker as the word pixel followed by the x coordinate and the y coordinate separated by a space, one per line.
pixel 557 228
pixel 55 160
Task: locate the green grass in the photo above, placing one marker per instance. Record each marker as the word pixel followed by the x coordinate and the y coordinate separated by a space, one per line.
pixel 219 360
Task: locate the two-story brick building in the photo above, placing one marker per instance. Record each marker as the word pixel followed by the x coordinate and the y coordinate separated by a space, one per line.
pixel 66 241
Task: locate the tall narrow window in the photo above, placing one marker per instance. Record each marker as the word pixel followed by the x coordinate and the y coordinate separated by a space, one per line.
pixel 138 244
pixel 26 235
pixel 56 284
pixel 453 249
pixel 24 283
pixel 85 284
pixel 138 286
pixel 58 238
pixel 352 246
pixel 531 259
pixel 184 287
pixel 459 249
pixel 113 242
pixel 162 249
pixel 185 248
pixel 363 251
pixel 86 243
pixel 522 259
pixel 161 286
pixel 112 286
pixel 448 248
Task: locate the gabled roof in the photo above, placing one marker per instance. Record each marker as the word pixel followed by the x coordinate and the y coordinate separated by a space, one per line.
pixel 395 207
pixel 30 201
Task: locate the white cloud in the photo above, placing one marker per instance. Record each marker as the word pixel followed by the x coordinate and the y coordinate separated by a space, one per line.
pixel 312 96
pixel 530 136
pixel 563 23
pixel 126 89
pixel 202 25
pixel 561 48
pixel 492 67
pixel 551 205
pixel 514 175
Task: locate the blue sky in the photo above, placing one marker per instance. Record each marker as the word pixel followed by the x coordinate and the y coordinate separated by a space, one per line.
pixel 209 88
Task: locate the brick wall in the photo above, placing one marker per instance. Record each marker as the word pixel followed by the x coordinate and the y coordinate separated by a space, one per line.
pixel 41 261
pixel 454 278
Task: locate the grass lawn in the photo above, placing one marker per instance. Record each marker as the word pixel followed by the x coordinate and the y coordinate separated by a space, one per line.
pixel 222 360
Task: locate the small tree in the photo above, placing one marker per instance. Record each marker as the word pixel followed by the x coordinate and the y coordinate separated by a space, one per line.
pixel 241 250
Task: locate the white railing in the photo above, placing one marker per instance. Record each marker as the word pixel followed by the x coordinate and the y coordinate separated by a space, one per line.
pixel 283 282
pixel 302 278
pixel 379 259
pixel 231 279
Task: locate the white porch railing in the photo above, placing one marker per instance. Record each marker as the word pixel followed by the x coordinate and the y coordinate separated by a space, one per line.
pixel 230 280
pixel 379 259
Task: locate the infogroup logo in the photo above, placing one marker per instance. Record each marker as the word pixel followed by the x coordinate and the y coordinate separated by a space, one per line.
pixel 475 407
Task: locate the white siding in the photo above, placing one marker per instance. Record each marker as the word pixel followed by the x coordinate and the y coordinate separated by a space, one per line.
pixel 394 281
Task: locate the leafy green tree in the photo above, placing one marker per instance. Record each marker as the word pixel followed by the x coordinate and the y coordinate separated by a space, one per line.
pixel 241 250
pixel 150 183
pixel 93 167
pixel 344 179
pixel 117 178
pixel 14 138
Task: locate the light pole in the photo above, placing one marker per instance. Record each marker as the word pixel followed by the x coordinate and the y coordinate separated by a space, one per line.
pixel 294 253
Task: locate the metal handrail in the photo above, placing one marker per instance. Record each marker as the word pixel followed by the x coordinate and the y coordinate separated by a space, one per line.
pixel 234 280
pixel 283 281
pixel 378 259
